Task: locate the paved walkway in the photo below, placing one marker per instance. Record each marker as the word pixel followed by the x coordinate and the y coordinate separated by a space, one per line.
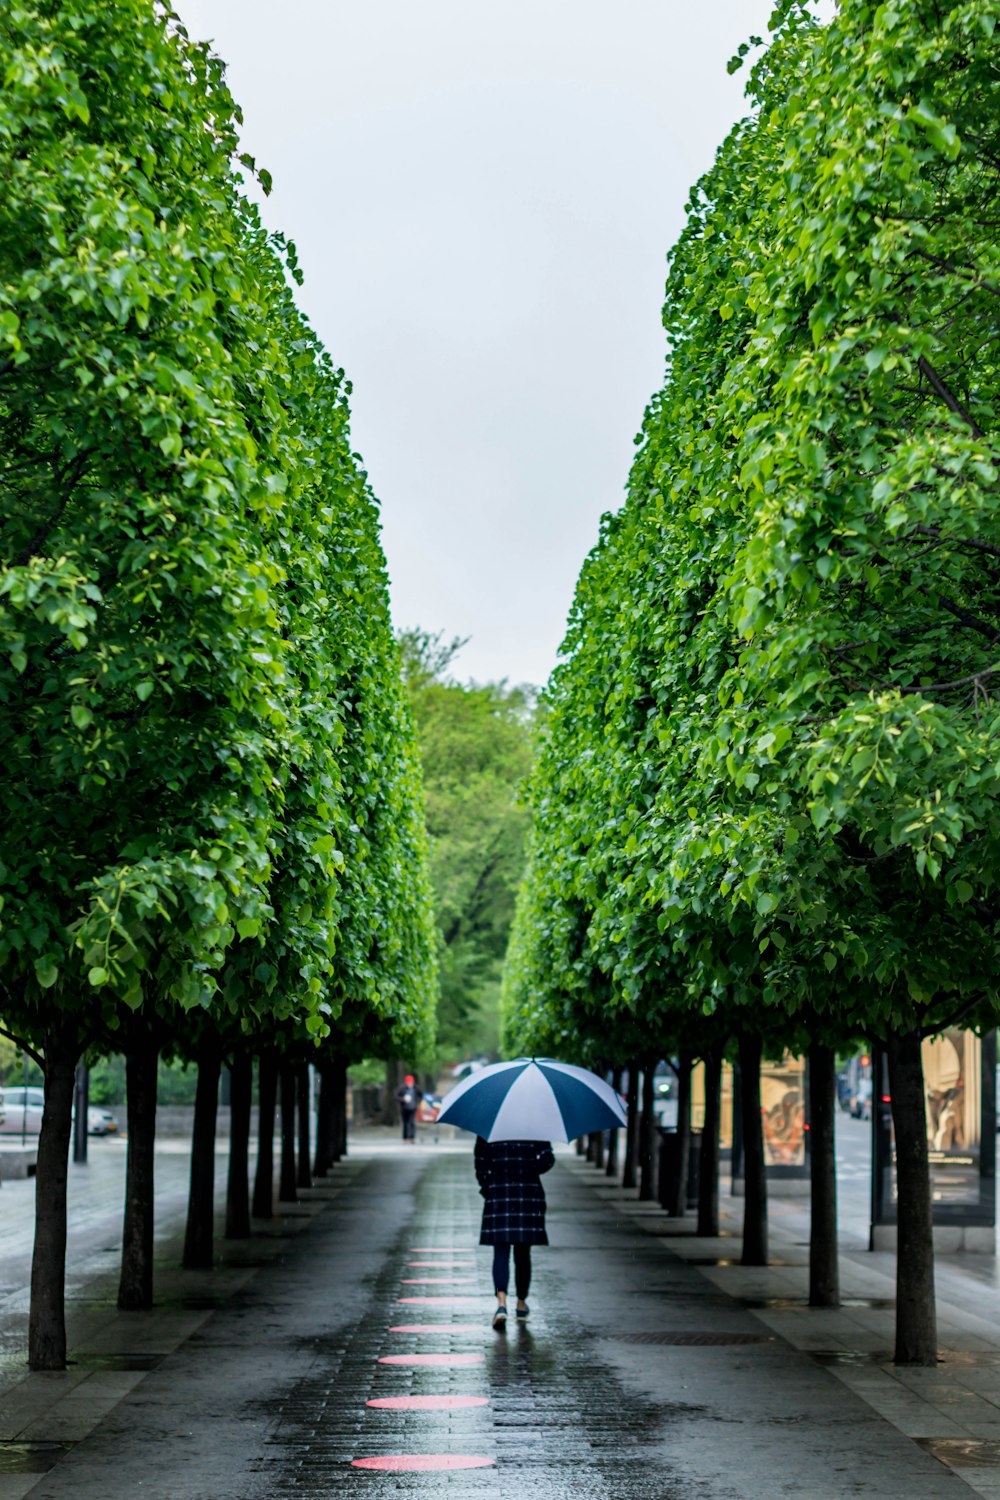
pixel 650 1368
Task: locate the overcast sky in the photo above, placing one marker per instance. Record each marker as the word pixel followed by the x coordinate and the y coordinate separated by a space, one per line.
pixel 482 193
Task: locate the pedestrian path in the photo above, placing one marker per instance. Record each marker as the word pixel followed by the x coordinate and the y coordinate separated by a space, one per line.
pixel 347 1350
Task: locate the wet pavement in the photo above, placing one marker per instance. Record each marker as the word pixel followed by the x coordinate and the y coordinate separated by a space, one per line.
pixel 346 1349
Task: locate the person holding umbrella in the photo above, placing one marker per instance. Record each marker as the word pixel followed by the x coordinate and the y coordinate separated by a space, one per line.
pixel 508 1174
pixel 516 1109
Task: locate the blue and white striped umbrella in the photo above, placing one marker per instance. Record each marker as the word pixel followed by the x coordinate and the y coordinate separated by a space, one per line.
pixel 532 1099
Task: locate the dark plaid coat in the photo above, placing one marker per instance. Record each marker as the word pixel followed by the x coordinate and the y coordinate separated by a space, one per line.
pixel 508 1173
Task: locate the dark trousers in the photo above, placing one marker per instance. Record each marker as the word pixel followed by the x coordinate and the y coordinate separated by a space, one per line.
pixel 409 1128
pixel 522 1268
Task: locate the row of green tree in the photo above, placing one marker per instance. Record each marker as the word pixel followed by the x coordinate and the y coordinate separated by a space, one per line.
pixel 766 805
pixel 213 820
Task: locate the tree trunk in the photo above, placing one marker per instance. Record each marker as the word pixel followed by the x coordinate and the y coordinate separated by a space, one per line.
pixel 754 1175
pixel 708 1169
pixel 304 1177
pixel 824 1272
pixel 199 1233
pixel 591 1151
pixel 677 1201
pixel 647 1136
pixel 263 1183
pixel 631 1126
pixel 390 1104
pixel 47 1318
pixel 916 1314
pixel 611 1165
pixel 599 1150
pixel 81 1109
pixel 287 1192
pixel 135 1284
pixel 340 1136
pixel 238 1183
pixel 325 1121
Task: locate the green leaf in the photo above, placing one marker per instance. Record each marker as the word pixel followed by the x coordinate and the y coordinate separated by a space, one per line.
pixel 46 972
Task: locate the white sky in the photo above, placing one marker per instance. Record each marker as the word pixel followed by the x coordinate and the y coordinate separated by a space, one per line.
pixel 482 193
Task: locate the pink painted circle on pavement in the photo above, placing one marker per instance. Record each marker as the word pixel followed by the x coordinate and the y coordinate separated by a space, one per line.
pixel 456 1301
pixel 431 1359
pixel 436 1328
pixel 426 1403
pixel 437 1280
pixel 441 1264
pixel 401 1461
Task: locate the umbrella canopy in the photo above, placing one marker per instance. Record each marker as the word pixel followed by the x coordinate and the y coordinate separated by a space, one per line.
pixel 532 1099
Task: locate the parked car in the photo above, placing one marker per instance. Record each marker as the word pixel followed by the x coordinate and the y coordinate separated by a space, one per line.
pixel 100 1121
pixel 21 1113
pixel 428 1109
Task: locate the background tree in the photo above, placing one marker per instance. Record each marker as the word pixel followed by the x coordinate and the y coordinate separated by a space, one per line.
pixel 476 748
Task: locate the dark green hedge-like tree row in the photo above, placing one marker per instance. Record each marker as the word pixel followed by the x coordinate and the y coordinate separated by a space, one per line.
pixel 767 803
pixel 213 842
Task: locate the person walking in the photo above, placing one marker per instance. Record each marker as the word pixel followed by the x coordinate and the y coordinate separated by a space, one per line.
pixel 508 1174
pixel 408 1096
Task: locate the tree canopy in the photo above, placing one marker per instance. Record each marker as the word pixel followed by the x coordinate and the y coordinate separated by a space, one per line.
pixel 204 741
pixel 770 768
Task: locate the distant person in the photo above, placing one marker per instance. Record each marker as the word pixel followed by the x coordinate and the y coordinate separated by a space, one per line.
pixel 408 1096
pixel 508 1174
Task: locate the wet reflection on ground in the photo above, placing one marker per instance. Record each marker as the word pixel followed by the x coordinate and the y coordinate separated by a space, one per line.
pixel 555 1423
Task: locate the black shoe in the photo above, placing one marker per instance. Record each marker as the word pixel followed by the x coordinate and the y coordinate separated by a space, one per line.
pixel 521 1313
pixel 500 1317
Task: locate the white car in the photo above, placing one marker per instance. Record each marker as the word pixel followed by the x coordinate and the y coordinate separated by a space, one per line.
pixel 100 1121
pixel 22 1110
pixel 21 1113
